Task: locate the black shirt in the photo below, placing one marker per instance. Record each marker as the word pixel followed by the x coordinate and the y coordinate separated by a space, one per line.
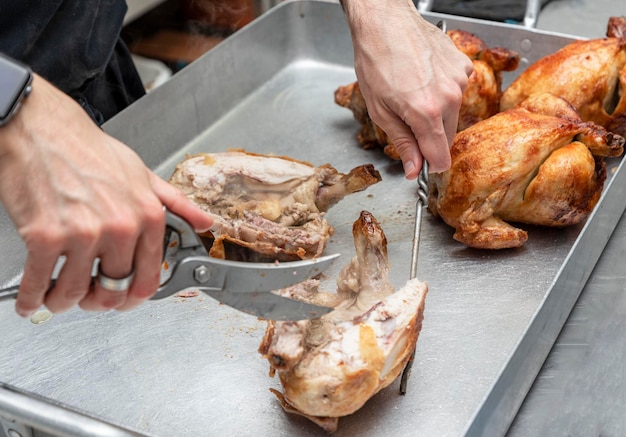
pixel 76 45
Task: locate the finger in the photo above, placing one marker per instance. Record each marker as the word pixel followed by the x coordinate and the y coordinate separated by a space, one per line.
pixel 72 283
pixel 406 145
pixel 35 282
pixel 176 201
pixel 451 115
pixel 450 124
pixel 435 149
pixel 148 261
pixel 116 253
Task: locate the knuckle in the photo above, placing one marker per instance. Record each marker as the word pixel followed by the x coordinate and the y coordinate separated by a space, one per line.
pixel 122 228
pixel 155 216
pixel 38 238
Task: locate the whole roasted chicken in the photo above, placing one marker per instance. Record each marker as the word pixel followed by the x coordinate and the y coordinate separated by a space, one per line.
pixel 590 74
pixel 537 163
pixel 267 208
pixel 329 367
pixel 481 98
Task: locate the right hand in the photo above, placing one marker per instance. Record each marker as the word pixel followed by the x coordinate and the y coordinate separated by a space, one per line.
pixel 74 191
pixel 412 77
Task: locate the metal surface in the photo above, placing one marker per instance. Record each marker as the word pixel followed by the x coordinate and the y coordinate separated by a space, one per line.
pixel 581 389
pixel 190 367
pixel 584 375
pixel 26 415
pixel 532 13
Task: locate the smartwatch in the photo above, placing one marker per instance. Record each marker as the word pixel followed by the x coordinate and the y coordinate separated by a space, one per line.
pixel 15 85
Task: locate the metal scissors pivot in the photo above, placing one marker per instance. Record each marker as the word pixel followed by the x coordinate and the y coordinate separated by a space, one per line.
pixel 245 286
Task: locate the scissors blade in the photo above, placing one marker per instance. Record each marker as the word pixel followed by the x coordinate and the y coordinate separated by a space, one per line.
pixel 243 277
pixel 269 306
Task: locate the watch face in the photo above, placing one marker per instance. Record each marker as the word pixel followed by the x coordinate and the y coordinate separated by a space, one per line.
pixel 14 80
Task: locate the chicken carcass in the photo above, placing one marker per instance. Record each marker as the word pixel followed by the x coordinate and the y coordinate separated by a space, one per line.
pixel 481 98
pixel 329 367
pixel 268 207
pixel 590 74
pixel 537 163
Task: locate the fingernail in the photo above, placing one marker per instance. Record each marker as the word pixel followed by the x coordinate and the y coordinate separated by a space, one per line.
pixel 432 169
pixel 24 314
pixel 410 171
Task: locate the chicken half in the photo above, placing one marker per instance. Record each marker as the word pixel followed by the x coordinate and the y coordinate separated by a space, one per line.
pixel 481 98
pixel 537 163
pixel 267 208
pixel 590 74
pixel 330 367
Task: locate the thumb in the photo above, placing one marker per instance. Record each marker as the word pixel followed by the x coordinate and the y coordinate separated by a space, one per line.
pixel 176 201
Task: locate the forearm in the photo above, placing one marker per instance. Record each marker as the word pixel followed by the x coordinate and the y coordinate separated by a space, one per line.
pixel 370 14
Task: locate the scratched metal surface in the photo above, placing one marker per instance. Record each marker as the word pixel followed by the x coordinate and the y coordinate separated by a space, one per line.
pixel 190 367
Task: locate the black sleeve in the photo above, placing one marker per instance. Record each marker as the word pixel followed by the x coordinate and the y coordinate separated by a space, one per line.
pixel 76 45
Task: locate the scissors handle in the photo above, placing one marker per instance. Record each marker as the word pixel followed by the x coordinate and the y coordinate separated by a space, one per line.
pixel 9 292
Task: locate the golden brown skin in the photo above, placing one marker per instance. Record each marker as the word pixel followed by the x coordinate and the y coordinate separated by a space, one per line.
pixel 591 75
pixel 537 163
pixel 481 98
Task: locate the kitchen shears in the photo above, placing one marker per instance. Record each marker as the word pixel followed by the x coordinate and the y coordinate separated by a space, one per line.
pixel 245 286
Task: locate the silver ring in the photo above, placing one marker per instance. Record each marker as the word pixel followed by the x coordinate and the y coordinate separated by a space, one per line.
pixel 112 284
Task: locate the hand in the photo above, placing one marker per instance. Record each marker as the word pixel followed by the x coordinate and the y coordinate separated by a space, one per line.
pixel 74 191
pixel 412 78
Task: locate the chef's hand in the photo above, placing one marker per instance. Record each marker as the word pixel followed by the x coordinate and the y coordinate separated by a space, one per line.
pixel 412 77
pixel 74 191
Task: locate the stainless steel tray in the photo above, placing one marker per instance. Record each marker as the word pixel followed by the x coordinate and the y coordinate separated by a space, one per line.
pixel 189 367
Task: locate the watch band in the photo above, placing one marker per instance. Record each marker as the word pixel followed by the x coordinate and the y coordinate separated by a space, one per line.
pixel 15 84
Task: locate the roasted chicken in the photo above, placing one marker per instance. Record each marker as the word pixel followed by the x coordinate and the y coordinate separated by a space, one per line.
pixel 265 207
pixel 591 75
pixel 537 163
pixel 329 367
pixel 481 98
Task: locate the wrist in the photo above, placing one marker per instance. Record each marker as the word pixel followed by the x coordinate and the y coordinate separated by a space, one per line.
pixel 15 85
pixel 368 19
pixel 13 133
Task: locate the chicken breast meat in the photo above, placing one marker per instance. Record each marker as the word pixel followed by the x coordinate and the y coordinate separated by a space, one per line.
pixel 481 98
pixel 267 207
pixel 537 163
pixel 331 366
pixel 589 74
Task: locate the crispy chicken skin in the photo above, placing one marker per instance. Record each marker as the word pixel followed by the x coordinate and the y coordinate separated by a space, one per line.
pixel 537 163
pixel 481 98
pixel 329 367
pixel 591 75
pixel 270 207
